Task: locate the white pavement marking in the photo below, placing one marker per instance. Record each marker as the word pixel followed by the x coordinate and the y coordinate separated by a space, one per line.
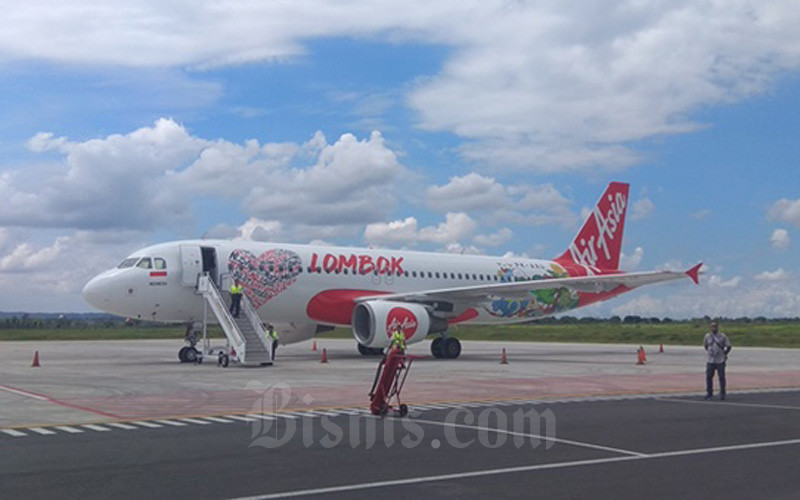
pixel 66 428
pixel 350 412
pixel 194 421
pixel 220 420
pixel 241 418
pixel 20 392
pixel 531 435
pixel 144 423
pixel 174 423
pixel 42 431
pixel 283 414
pixel 730 403
pixel 119 425
pixel 521 468
pixel 97 428
pixel 262 416
pixel 295 414
pixel 13 432
pixel 329 413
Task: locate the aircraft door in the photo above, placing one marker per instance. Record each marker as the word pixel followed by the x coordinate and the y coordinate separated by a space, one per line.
pixel 210 263
pixel 191 260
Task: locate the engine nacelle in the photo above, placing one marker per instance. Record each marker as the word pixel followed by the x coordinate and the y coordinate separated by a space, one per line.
pixel 374 321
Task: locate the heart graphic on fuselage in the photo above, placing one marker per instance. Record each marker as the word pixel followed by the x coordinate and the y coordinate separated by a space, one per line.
pixel 265 276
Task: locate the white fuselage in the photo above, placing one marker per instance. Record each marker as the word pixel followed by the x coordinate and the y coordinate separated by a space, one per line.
pixel 298 287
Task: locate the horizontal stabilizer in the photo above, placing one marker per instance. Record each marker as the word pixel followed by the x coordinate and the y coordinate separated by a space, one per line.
pixel 694 273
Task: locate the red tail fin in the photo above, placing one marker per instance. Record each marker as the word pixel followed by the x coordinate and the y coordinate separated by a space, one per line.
pixel 599 241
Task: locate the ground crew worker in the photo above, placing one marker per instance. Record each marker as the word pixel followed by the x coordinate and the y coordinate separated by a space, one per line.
pixel 273 336
pixel 717 345
pixel 399 340
pixel 236 298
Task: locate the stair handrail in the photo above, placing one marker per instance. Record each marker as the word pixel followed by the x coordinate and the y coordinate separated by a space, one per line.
pixel 223 315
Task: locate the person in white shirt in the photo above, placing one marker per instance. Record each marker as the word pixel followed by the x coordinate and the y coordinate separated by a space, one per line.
pixel 717 346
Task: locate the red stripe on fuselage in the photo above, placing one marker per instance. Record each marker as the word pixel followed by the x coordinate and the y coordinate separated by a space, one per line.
pixel 335 307
pixel 465 316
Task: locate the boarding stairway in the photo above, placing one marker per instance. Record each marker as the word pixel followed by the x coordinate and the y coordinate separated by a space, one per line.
pixel 246 334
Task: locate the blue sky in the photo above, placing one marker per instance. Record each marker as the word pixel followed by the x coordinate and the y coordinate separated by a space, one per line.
pixel 487 128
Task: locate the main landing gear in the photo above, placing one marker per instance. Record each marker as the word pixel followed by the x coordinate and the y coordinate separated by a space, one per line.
pixel 445 348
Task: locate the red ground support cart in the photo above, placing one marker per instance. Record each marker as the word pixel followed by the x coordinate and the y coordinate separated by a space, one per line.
pixel 389 381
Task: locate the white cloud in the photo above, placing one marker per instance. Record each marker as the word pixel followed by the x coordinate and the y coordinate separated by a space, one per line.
pixel 519 203
pixel 631 262
pixel 456 227
pixel 470 192
pixel 717 281
pixel 495 239
pixel 776 275
pixel 546 86
pixel 149 178
pixel 642 209
pixel 396 231
pixel 352 182
pixel 678 300
pixel 47 273
pixel 780 239
pixel 785 210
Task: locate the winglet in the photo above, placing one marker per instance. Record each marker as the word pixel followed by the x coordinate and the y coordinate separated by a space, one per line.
pixel 694 273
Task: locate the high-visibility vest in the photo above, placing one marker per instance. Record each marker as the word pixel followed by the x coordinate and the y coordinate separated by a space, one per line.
pixel 236 289
pixel 273 334
pixel 399 339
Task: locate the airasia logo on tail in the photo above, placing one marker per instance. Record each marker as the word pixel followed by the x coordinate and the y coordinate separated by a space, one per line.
pixel 402 319
pixel 599 242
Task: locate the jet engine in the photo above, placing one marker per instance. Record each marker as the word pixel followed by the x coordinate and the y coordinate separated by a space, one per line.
pixel 374 321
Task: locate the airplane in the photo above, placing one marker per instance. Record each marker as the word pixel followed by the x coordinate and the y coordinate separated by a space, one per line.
pixel 306 289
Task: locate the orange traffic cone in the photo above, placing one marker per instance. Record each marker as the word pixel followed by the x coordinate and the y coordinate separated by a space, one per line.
pixel 324 356
pixel 503 358
pixel 640 359
pixel 661 349
pixel 314 346
pixel 35 360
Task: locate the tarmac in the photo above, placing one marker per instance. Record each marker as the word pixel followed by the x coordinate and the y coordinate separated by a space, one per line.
pixel 126 419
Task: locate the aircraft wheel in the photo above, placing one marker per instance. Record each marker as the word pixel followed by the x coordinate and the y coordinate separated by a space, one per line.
pixel 403 410
pixel 182 354
pixel 226 360
pixel 451 348
pixel 363 350
pixel 436 348
pixel 191 355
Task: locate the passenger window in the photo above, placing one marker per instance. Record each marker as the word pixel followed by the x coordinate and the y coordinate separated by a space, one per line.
pixel 145 263
pixel 159 263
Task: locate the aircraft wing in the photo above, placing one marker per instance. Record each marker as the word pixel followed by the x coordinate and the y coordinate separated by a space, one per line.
pixel 521 289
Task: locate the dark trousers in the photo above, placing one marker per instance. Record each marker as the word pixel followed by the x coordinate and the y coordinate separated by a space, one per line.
pixel 720 369
pixel 274 348
pixel 236 304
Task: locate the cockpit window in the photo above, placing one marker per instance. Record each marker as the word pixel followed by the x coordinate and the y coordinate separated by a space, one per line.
pixel 159 263
pixel 145 263
pixel 129 262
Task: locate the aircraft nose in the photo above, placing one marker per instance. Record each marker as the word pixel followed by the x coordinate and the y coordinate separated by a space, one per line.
pixel 96 292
